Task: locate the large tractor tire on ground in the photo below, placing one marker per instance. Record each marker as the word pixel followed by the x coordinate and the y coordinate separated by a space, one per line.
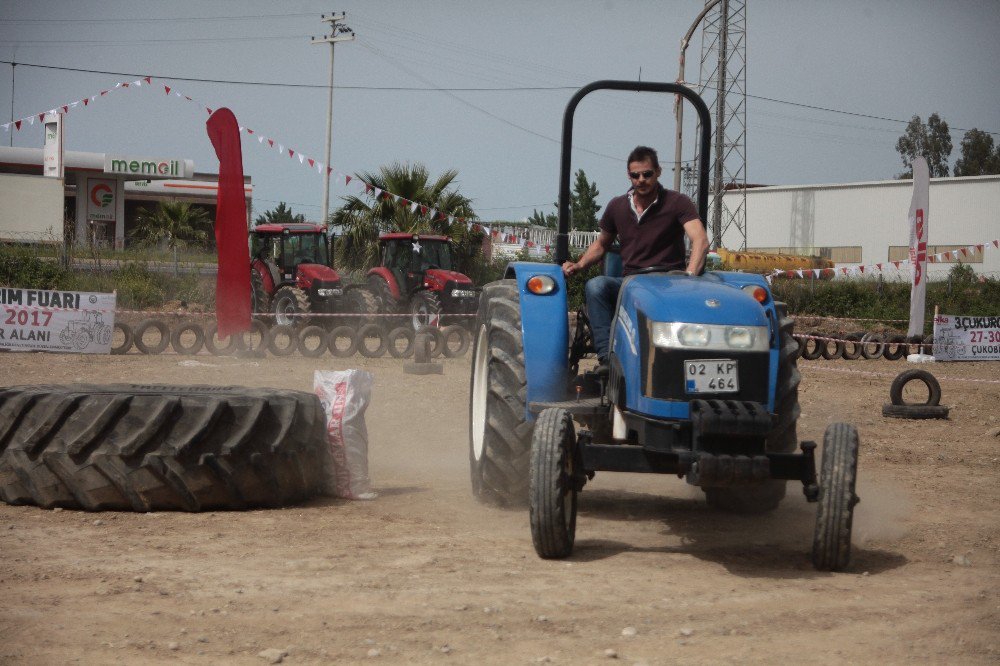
pixel 783 437
pixel 151 448
pixel 289 305
pixel 499 433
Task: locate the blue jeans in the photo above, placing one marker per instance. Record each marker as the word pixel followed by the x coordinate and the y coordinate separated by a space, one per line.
pixel 602 297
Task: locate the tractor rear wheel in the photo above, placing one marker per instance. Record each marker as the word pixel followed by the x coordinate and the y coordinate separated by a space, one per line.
pixel 151 448
pixel 362 302
pixel 499 432
pixel 552 490
pixel 383 296
pixel 289 302
pixel 260 302
pixel 783 437
pixel 425 309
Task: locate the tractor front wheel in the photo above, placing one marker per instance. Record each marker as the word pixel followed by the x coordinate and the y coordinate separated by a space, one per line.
pixel 499 432
pixel 288 303
pixel 838 476
pixel 425 309
pixel 552 487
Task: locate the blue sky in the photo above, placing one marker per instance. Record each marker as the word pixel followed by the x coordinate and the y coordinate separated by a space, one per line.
pixel 879 61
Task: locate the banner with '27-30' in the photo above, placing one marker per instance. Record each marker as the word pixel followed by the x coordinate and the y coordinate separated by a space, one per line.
pixel 58 321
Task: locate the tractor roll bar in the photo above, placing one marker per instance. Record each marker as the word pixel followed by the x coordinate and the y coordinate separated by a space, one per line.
pixel 562 236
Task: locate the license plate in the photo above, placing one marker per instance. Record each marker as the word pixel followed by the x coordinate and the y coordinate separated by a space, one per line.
pixel 711 376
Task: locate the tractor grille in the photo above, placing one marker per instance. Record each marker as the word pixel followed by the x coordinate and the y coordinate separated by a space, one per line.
pixel 453 305
pixel 663 372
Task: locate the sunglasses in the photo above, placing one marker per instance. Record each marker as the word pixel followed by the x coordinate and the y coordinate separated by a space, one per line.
pixel 635 175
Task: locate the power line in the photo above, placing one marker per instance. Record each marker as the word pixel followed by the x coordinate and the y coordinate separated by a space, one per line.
pixel 318 86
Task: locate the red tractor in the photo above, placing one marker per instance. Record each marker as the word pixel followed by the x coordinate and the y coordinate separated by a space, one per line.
pixel 290 275
pixel 416 276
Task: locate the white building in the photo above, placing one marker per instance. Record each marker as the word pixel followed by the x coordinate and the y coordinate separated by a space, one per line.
pixel 864 224
pixel 98 196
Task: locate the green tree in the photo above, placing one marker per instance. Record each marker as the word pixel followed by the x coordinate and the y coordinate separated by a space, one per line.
pixel 172 224
pixel 362 219
pixel 583 203
pixel 540 219
pixel 281 214
pixel 931 141
pixel 979 158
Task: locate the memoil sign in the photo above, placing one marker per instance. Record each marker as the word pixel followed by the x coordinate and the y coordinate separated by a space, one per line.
pixel 146 167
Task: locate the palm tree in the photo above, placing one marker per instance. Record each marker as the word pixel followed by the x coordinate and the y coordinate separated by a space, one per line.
pixel 173 224
pixel 362 220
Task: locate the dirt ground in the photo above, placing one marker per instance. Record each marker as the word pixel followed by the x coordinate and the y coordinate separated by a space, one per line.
pixel 425 574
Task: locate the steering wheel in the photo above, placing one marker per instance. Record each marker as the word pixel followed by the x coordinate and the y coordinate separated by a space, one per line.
pixel 660 269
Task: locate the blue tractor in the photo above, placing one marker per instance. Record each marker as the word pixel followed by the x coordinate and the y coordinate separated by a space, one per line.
pixel 701 382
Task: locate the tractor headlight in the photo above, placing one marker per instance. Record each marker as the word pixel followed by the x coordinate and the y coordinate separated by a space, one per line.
pixel 694 335
pixel 463 293
pixel 326 293
pixel 681 335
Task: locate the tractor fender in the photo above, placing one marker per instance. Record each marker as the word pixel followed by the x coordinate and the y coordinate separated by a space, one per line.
pixel 545 331
pixel 266 277
pixel 390 279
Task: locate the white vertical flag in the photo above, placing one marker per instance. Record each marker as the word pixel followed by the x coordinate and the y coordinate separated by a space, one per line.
pixel 918 219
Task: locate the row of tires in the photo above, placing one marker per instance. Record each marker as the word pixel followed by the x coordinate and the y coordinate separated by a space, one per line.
pixel 155 336
pixel 813 346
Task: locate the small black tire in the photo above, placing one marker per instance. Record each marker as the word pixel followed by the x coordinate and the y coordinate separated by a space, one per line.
pixel 128 338
pixel 342 333
pixel 177 339
pixel 283 340
pixel 144 448
pixel 835 514
pixel 437 340
pixel 254 341
pixel 915 411
pixel 366 333
pixel 140 333
pixel 907 376
pixel 836 352
pixel 551 486
pixel 812 348
pixel 872 346
pixel 214 344
pixel 896 347
pixel 303 343
pixel 928 345
pixel 852 346
pixel 455 340
pixel 392 340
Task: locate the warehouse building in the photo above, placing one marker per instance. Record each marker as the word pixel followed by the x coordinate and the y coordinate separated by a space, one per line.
pixel 865 224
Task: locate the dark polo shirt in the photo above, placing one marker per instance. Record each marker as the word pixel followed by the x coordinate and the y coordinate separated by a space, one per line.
pixel 655 240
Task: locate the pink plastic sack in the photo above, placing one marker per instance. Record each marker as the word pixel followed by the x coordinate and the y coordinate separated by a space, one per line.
pixel 345 395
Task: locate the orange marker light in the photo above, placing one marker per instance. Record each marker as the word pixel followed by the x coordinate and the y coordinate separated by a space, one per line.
pixel 541 284
pixel 759 293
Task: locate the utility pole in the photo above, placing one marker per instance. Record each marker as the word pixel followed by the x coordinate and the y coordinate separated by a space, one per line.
pixel 338 33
